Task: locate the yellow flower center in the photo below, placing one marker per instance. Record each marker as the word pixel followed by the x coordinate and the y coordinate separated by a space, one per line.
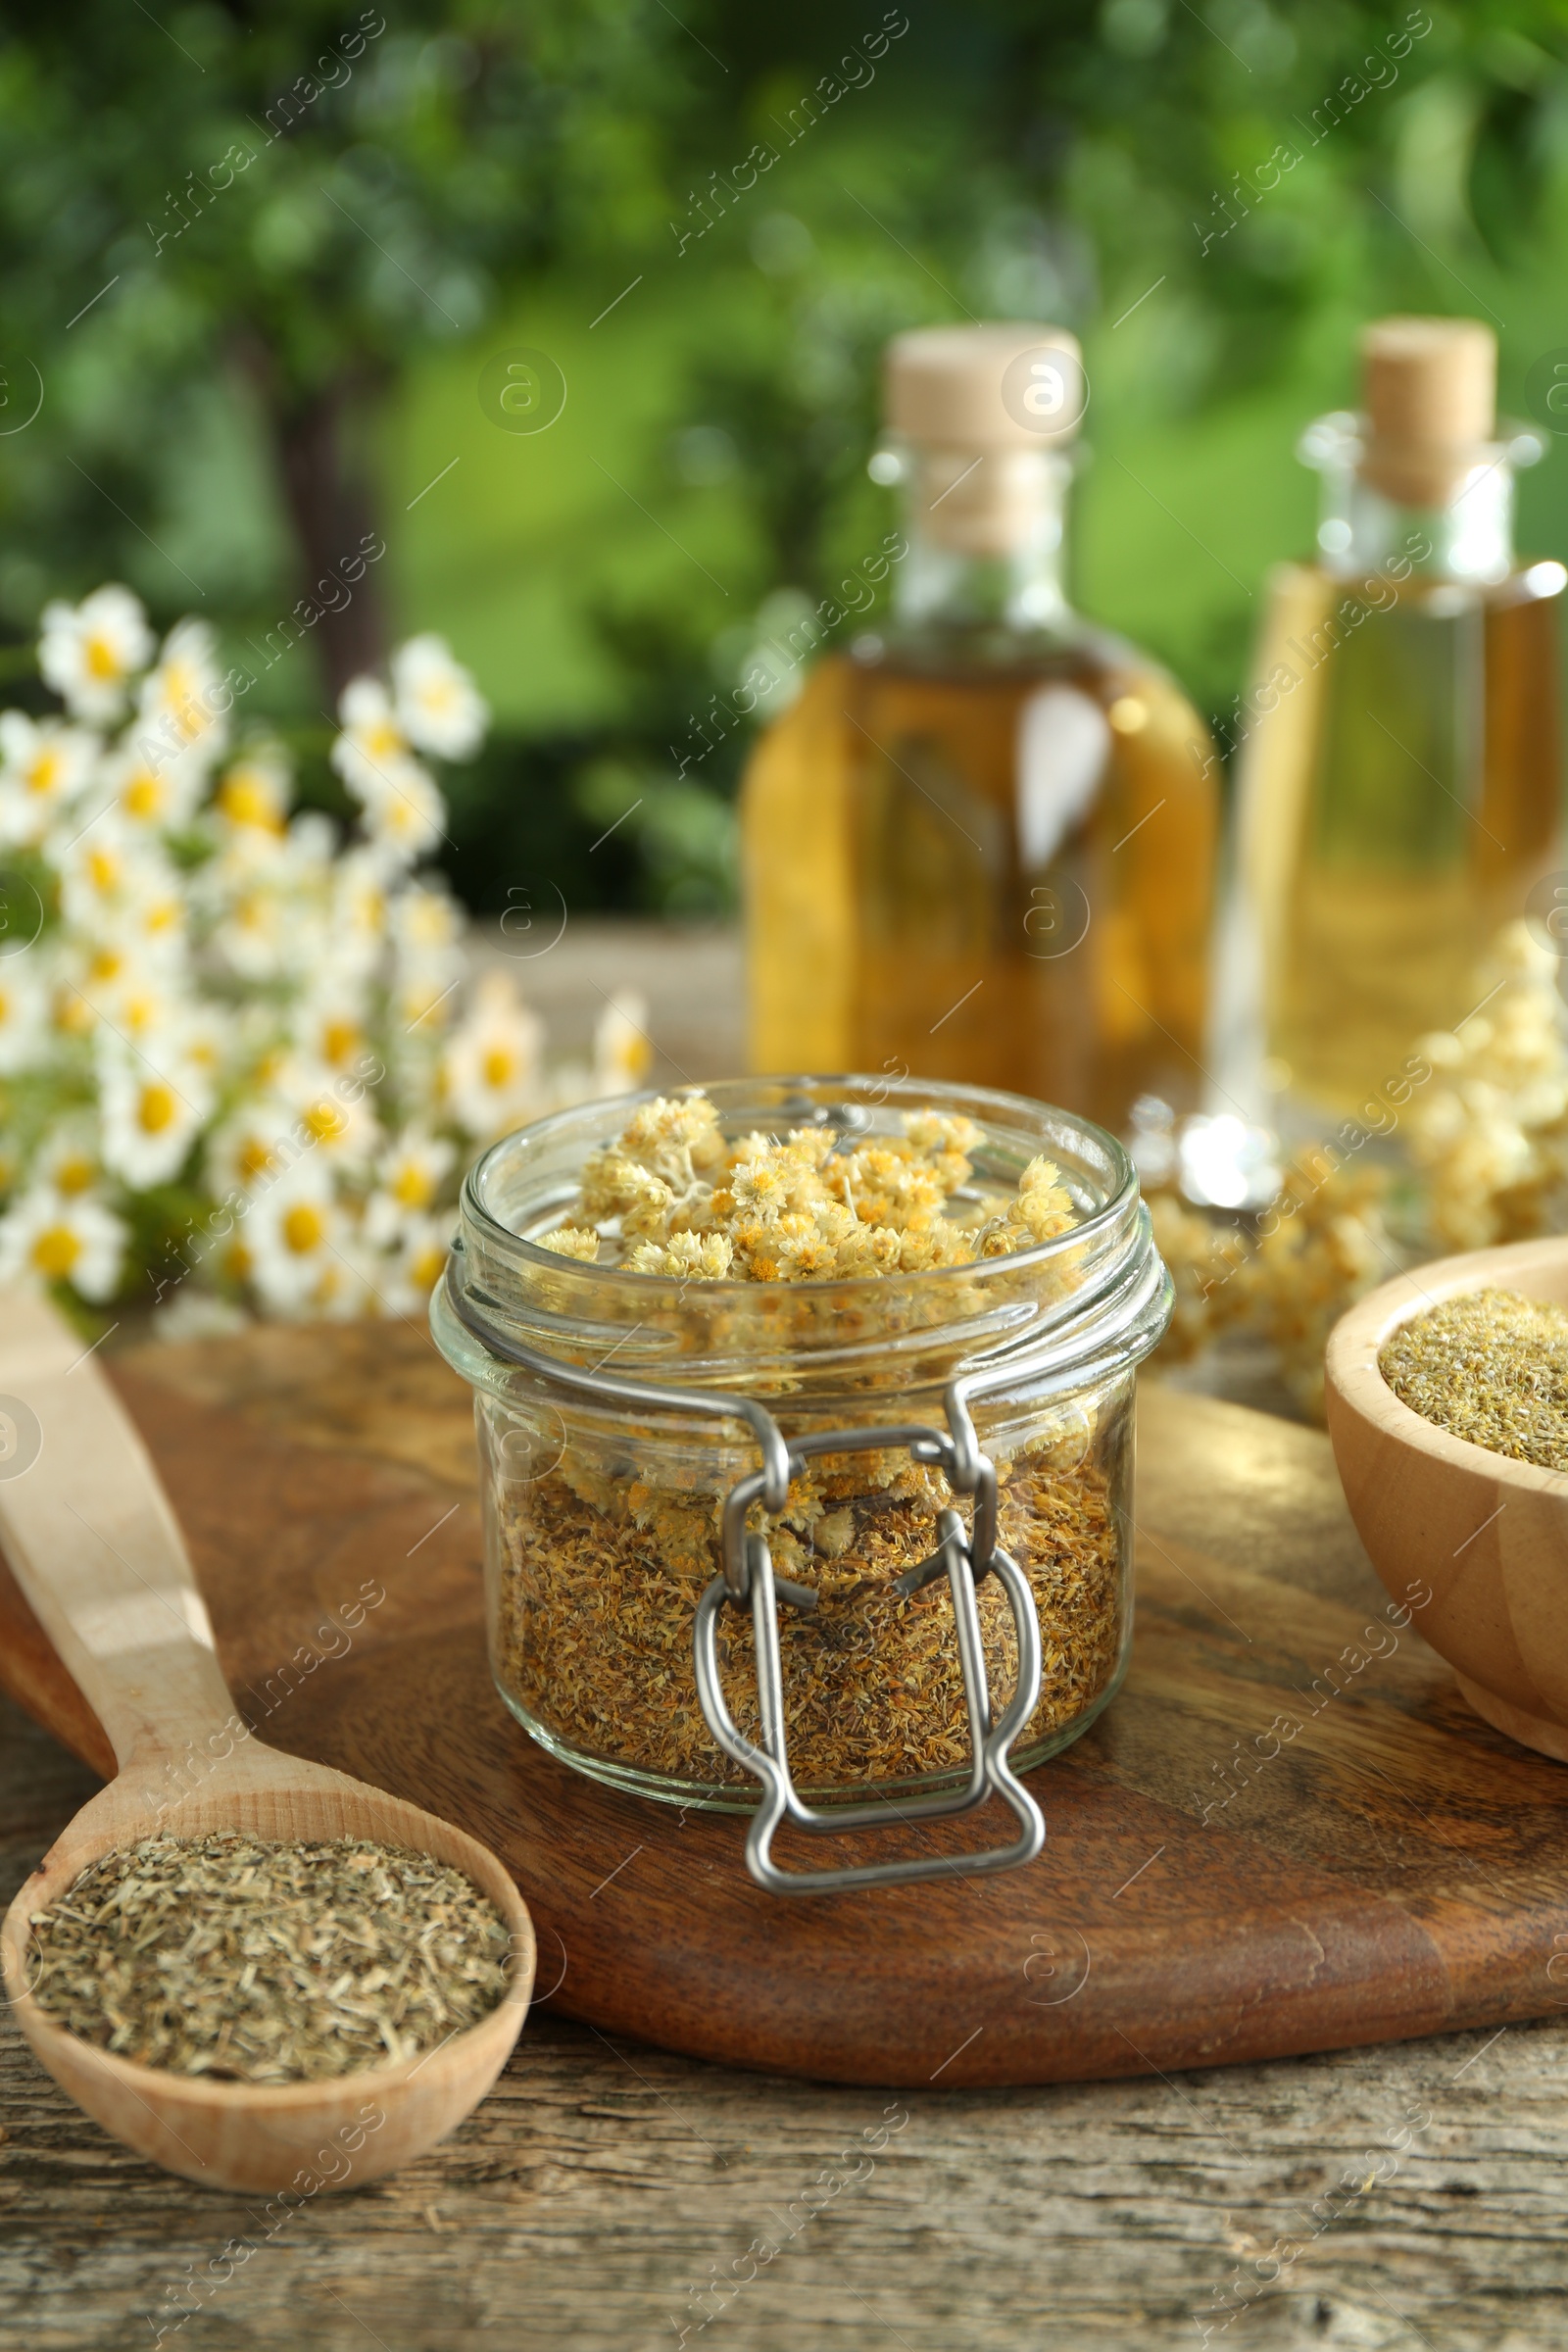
pixel 499 1064
pixel 143 796
pixel 101 659
pixel 254 1158
pixel 245 799
pixel 181 700
pixel 412 1185
pixel 56 1251
pixel 103 869
pixel 73 1175
pixel 426 1269
pixel 326 1121
pixel 338 1040
pixel 156 1109
pixel 44 773
pixel 304 1228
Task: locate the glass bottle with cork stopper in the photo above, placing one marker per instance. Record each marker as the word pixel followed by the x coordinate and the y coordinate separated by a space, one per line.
pixel 1399 772
pixel 980 844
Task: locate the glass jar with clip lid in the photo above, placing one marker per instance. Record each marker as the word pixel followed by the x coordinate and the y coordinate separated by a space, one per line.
pixel 817 1503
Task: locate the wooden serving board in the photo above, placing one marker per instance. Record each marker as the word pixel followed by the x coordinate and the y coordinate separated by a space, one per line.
pixel 1214 1887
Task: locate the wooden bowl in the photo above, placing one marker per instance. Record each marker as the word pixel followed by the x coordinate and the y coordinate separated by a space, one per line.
pixel 1487 1536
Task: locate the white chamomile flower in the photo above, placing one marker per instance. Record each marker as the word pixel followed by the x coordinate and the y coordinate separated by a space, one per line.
pixel 152 1113
pixel 24 1014
pixel 405 816
pixel 44 766
pixel 254 793
pixel 299 1247
pixel 332 1117
pixel 427 927
pixel 623 1051
pixel 440 707
pixel 68 1162
pixel 135 948
pixel 89 653
pixel 59 1236
pixel 359 909
pixel 425 921
pixel 182 704
pixel 311 847
pixel 373 740
pixel 252 935
pixel 405 1279
pixel 140 1007
pixel 101 869
pixel 251 1149
pixel 152 786
pixel 490 1064
pixel 152 916
pixel 330 1024
pixel 421 1005
pixel 407 1179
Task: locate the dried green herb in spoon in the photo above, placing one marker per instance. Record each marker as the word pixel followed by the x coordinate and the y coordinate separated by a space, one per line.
pixel 240 1957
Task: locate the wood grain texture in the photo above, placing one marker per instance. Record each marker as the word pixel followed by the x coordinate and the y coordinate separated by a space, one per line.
pixel 1210 1891
pixel 601 2182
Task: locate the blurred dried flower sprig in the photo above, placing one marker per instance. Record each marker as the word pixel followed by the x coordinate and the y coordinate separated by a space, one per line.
pixel 239 1064
pixel 1487 1139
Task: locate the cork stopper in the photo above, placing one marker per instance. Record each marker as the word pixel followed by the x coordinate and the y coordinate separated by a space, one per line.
pixel 984 387
pixel 1430 391
pixel 982 406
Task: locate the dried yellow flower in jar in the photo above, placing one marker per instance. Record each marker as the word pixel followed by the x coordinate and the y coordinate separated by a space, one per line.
pixel 672 1197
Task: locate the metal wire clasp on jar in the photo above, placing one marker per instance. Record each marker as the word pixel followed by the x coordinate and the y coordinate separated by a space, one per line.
pixel 774 1546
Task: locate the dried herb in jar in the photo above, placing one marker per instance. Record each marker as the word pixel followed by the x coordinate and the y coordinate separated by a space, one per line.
pixel 604 1557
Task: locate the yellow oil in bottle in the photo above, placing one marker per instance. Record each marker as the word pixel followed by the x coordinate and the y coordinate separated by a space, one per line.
pixel 1400 775
pixel 1400 801
pixel 1001 876
pixel 980 846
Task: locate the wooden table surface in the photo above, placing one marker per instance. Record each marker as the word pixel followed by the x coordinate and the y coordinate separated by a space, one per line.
pixel 600 2191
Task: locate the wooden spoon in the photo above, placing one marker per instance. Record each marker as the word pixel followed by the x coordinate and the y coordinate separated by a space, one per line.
pixel 93 1542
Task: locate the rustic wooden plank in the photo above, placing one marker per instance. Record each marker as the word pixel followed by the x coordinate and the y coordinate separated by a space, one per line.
pixel 604 2181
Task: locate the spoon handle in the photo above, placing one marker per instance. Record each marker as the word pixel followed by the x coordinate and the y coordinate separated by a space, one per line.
pixel 92 1542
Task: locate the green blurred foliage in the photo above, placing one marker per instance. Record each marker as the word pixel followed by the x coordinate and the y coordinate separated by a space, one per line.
pixel 567 176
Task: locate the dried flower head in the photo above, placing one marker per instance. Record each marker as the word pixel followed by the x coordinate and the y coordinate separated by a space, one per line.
pixel 670 1197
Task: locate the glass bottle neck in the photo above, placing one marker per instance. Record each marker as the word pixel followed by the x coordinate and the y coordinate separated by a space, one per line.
pixel 986 531
pixel 1465 535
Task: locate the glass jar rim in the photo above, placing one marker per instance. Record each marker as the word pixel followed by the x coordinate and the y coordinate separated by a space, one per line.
pixel 759 1335
pixel 916 1094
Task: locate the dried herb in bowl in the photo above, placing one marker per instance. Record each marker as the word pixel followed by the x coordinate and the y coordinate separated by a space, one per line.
pixel 262 1962
pixel 1489 1366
